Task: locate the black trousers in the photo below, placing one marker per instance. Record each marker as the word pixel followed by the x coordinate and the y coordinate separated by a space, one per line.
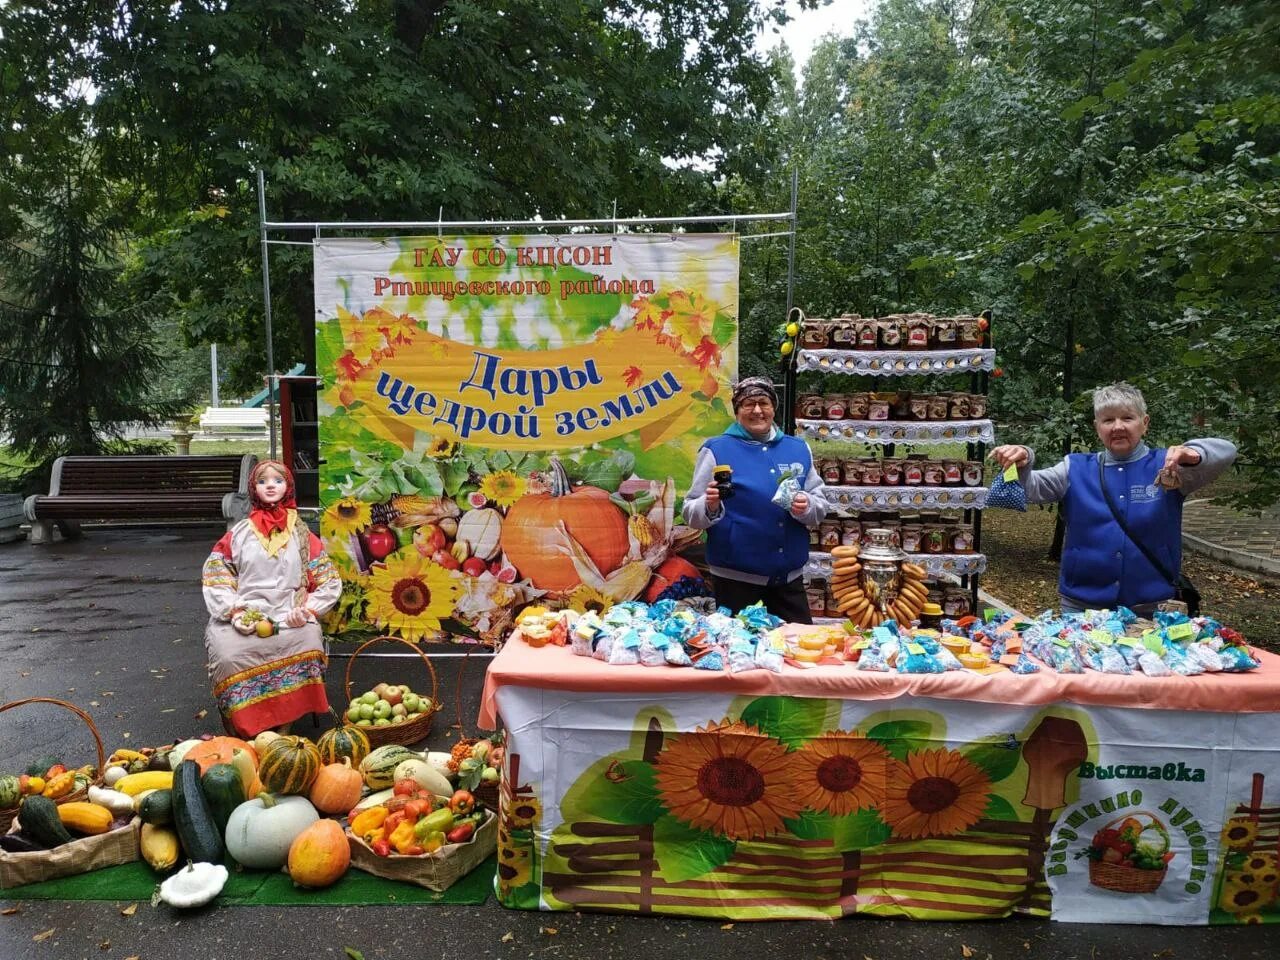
pixel 788 602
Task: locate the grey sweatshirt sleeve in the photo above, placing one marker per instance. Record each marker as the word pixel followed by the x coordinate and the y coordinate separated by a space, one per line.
pixel 695 501
pixel 1043 486
pixel 1216 456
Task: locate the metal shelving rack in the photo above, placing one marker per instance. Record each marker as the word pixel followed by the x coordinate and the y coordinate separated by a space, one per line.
pixel 977 363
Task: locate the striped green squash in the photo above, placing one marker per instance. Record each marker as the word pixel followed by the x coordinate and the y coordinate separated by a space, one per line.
pixel 343 741
pixel 379 767
pixel 289 765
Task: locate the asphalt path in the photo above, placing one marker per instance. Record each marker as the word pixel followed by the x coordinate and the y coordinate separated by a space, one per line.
pixel 113 623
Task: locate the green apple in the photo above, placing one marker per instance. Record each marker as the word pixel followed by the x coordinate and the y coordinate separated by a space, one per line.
pixel 366 711
pixel 404 688
pixel 362 722
pixel 425 704
pixel 381 709
pixel 489 775
pixel 353 713
pixel 411 702
pixel 380 690
pixel 369 697
pixel 399 710
pixel 382 722
pixel 397 718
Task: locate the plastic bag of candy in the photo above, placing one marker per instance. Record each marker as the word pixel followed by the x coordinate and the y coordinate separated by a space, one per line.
pixel 788 487
pixel 741 657
pixel 917 660
pixel 1110 660
pixel 1025 666
pixel 946 658
pixel 768 656
pixel 1152 665
pixel 653 647
pixel 676 655
pixel 872 660
pixel 757 617
pixel 1177 660
pixel 626 649
pixel 1237 659
pixel 1065 659
pixel 1206 656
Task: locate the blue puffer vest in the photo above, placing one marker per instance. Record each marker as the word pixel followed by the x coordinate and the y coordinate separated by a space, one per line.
pixel 1101 567
pixel 755 535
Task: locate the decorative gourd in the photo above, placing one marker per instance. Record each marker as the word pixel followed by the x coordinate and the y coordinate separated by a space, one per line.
pixel 482 530
pixel 320 855
pixel 38 819
pixel 224 791
pixel 246 764
pixel 136 783
pixel 156 808
pixel 424 775
pixel 379 767
pixel 337 787
pixel 343 741
pixel 194 886
pixel 263 740
pixel 261 831
pixel 530 535
pixel 192 818
pixel 219 750
pixel 10 791
pixel 289 766
pixel 120 804
pixel 179 752
pixel 86 818
pixel 159 847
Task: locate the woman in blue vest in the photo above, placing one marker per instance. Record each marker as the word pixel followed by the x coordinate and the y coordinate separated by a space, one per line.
pixel 1102 567
pixel 755 549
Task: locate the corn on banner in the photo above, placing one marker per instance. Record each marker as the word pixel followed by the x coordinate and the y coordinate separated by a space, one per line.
pixel 510 419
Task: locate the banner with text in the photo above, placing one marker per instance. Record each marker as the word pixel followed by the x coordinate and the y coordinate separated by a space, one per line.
pixel 506 419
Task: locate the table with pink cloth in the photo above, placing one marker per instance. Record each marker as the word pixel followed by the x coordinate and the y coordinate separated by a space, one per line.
pixel 827 792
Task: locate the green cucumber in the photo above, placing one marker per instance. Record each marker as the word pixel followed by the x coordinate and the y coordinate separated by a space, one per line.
pixel 192 818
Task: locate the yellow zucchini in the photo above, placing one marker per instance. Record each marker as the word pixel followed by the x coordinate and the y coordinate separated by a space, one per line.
pixel 87 818
pixel 159 846
pixel 135 783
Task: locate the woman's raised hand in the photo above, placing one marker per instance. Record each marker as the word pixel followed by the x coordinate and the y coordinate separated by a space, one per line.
pixel 1010 455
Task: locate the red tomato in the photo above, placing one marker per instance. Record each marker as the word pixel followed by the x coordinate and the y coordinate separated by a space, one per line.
pixel 405 788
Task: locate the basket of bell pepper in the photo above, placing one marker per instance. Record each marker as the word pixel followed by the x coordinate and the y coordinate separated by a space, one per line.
pixel 420 838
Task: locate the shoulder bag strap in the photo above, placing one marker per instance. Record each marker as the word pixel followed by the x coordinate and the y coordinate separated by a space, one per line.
pixel 1142 548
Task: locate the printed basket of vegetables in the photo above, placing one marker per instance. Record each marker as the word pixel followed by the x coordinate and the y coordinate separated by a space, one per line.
pixel 1130 854
pixel 418 837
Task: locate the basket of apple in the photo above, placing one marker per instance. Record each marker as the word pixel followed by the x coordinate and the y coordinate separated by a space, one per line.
pixel 393 713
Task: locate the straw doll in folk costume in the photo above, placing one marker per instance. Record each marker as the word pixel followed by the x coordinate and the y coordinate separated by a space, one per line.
pixel 266 584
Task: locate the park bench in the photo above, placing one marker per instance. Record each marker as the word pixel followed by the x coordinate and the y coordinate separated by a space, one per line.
pixel 234 422
pixel 140 488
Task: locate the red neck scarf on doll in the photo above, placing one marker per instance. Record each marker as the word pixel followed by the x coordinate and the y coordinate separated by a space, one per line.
pixel 267 518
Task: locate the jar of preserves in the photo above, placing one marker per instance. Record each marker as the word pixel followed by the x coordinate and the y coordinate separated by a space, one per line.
pixel 840 333
pixel 944 333
pixel 866 334
pixel 811 406
pixel 911 534
pixel 918 408
pixel 917 332
pixel 952 472
pixel 933 475
pixel 891 472
pixel 933 538
pixel 892 333
pixel 832 605
pixel 958 406
pixel 850 532
pixel 977 406
pixel 939 405
pixel 973 473
pixel 835 406
pixel 962 538
pixel 856 405
pixel 895 531
pixel 829 531
pixel 955 602
pixel 815 539
pixel 815 592
pixel 815 335
pixel 872 476
pixel 851 467
pixel 830 471
pixel 913 472
pixel 968 333
pixel 879 405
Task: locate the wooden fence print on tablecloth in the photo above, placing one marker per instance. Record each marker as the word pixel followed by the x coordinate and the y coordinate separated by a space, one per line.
pixel 993 869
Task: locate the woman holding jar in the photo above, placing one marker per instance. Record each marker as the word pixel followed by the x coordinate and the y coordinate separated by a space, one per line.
pixel 755 549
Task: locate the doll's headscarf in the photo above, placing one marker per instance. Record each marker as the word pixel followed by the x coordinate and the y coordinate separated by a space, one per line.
pixel 751 388
pixel 270 517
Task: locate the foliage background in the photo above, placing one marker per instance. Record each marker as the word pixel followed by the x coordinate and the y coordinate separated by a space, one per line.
pixel 1102 173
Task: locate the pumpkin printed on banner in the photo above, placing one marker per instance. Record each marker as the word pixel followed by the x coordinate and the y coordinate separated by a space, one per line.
pixel 531 532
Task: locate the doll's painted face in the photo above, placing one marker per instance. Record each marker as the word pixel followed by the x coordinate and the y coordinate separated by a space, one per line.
pixel 270 487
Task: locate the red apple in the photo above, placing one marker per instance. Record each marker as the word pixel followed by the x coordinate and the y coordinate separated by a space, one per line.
pixel 474 566
pixel 380 541
pixel 392 695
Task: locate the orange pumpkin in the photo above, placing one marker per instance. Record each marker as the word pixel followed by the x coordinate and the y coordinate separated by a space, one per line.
pixel 320 855
pixel 337 787
pixel 218 750
pixel 529 532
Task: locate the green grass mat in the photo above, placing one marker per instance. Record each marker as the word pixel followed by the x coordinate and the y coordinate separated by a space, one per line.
pixel 136 881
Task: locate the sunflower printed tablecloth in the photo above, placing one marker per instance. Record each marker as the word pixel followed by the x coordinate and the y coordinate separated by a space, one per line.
pixel 827 792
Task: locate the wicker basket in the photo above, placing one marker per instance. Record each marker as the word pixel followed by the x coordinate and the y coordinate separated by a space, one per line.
pixel 7 816
pixel 486 794
pixel 1118 879
pixel 411 731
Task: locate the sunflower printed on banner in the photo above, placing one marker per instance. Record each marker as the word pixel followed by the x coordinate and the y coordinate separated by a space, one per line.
pixel 514 416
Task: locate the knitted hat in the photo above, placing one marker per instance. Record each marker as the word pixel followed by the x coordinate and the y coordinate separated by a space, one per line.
pixel 751 388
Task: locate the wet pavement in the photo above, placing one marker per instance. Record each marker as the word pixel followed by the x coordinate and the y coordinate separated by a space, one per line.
pixel 113 623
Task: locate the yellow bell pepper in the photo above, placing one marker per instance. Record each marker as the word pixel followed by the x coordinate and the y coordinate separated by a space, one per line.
pixel 433 841
pixel 367 821
pixel 403 837
pixel 373 836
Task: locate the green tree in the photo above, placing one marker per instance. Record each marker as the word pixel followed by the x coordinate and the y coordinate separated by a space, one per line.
pixel 77 360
